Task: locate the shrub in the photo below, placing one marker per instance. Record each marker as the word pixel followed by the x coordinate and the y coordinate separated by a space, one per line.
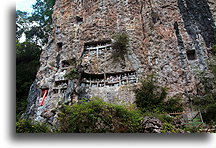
pixel 27 126
pixel 98 116
pixel 150 98
pixel 169 128
pixel 162 117
pixel 212 67
pixel 202 102
pixel 214 49
pixel 72 74
pixel 173 105
pixel 206 104
pixel 209 113
pixel 192 129
pixel 119 45
pixel 206 96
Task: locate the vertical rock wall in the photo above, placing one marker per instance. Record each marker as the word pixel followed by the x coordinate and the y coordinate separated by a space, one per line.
pixel 171 38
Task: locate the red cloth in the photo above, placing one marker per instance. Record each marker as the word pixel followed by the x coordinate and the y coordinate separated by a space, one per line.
pixel 44 93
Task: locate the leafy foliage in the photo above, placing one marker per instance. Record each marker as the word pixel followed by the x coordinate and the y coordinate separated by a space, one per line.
pixel 164 118
pixel 169 128
pixel 22 23
pixel 42 15
pixel 205 100
pixel 173 105
pixel 38 26
pixel 72 74
pixel 214 49
pixel 97 116
pixel 27 63
pixel 213 68
pixel 192 129
pixel 150 98
pixel 27 52
pixel 120 45
pixel 27 126
pixel 209 114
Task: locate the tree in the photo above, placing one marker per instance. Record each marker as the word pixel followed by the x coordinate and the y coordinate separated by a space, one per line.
pixel 22 23
pixel 97 116
pixel 37 28
pixel 205 100
pixel 119 46
pixel 27 63
pixel 150 97
pixel 42 16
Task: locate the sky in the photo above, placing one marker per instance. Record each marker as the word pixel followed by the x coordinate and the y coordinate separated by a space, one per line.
pixel 25 5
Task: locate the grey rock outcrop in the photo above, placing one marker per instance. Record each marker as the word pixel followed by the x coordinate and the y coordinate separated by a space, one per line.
pixel 151 125
pixel 172 39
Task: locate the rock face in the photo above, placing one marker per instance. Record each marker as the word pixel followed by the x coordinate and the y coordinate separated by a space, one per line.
pixel 171 38
pixel 152 125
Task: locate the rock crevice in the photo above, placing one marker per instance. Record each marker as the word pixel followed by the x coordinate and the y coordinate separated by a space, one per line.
pixel 169 38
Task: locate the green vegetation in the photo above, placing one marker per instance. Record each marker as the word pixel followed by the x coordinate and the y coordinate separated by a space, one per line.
pixel 27 63
pixel 22 23
pixel 169 128
pixel 193 129
pixel 119 46
pixel 27 126
pixel 205 100
pixel 151 98
pixel 36 26
pixel 214 49
pixel 98 117
pixel 28 52
pixel 173 105
pixel 212 67
pixel 72 74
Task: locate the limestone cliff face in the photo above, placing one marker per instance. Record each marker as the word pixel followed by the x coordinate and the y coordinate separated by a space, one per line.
pixel 171 38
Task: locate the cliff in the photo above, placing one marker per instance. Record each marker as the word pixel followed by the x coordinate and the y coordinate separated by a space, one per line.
pixel 171 38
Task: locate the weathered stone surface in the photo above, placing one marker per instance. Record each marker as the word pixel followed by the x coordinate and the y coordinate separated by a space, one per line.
pixel 151 125
pixel 34 92
pixel 171 38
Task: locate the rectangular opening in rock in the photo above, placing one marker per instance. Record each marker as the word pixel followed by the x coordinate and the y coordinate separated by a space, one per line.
pixel 63 90
pixel 79 19
pixel 55 91
pixel 92 77
pixel 59 46
pixel 61 83
pixel 44 92
pixel 191 55
pixel 65 64
pixel 68 63
pixel 155 17
pixel 109 79
pixel 97 48
pixel 113 78
pixel 97 44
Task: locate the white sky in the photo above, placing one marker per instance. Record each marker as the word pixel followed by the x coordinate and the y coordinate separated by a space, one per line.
pixel 25 5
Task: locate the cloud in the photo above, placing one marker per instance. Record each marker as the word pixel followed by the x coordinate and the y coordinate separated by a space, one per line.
pixel 25 5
